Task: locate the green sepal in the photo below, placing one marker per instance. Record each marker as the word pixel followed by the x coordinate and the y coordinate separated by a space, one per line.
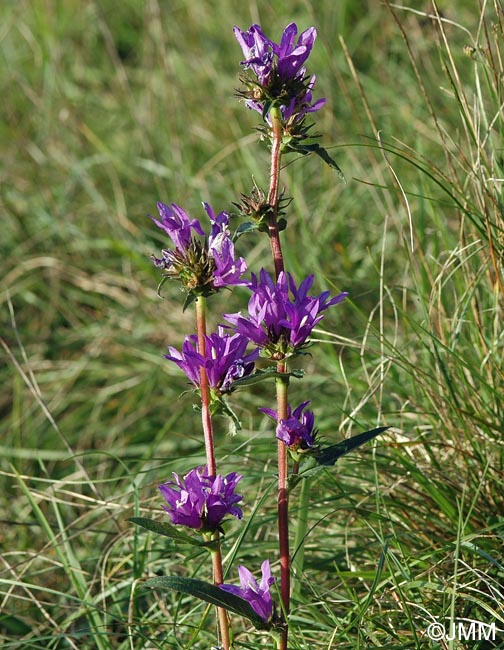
pixel 219 406
pixel 168 530
pixel 243 228
pixel 262 375
pixel 328 456
pixel 189 299
pixel 315 148
pixel 266 108
pixel 281 224
pixel 210 594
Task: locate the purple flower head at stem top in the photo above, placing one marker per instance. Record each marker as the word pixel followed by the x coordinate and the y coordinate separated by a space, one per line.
pixel 224 360
pixel 257 595
pixel 202 265
pixel 297 431
pixel 280 75
pixel 200 501
pixel 281 316
pixel 266 58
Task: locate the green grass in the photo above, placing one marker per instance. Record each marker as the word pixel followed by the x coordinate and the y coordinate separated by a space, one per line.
pixel 108 107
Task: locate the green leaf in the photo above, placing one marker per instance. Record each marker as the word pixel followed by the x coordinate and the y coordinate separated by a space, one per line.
pixel 219 406
pixel 262 375
pixel 210 594
pixel 189 299
pixel 266 108
pixel 168 530
pixel 327 456
pixel 315 148
pixel 243 228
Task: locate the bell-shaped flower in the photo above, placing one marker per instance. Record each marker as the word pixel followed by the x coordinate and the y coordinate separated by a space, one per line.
pixel 297 431
pixel 200 501
pixel 256 594
pixel 203 263
pixel 177 224
pixel 225 359
pixel 277 75
pixel 281 316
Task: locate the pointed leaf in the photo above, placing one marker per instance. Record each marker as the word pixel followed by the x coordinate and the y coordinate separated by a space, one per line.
pixel 282 224
pixel 319 151
pixel 168 530
pixel 210 594
pixel 221 407
pixel 327 456
pixel 262 375
pixel 248 226
pixel 330 455
pixel 266 109
pixel 190 298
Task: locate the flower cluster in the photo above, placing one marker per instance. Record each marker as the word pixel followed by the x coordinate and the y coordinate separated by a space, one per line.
pixel 277 322
pixel 278 73
pixel 280 320
pixel 224 359
pixel 257 595
pixel 298 430
pixel 203 266
pixel 200 501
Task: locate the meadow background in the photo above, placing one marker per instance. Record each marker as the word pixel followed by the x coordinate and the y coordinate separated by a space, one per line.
pixel 108 107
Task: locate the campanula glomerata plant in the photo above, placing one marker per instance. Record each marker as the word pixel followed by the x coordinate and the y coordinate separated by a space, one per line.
pixel 275 326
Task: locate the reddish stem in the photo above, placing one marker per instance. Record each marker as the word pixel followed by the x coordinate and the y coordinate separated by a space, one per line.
pixel 282 382
pixel 218 576
pixel 283 501
pixel 206 419
pixel 276 146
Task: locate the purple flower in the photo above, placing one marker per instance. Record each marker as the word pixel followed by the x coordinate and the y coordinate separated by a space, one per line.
pixel 224 359
pixel 280 75
pixel 205 266
pixel 257 595
pixel 258 52
pixel 266 58
pixel 228 269
pixel 297 431
pixel 302 104
pixel 281 316
pixel 177 224
pixel 200 501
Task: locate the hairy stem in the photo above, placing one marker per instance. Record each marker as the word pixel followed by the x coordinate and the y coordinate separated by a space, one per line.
pixel 222 615
pixel 206 418
pixel 273 195
pixel 283 502
pixel 282 382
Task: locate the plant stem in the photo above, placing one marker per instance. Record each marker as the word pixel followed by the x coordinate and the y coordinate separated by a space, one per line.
pixel 222 615
pixel 276 146
pixel 206 419
pixel 283 503
pixel 282 382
